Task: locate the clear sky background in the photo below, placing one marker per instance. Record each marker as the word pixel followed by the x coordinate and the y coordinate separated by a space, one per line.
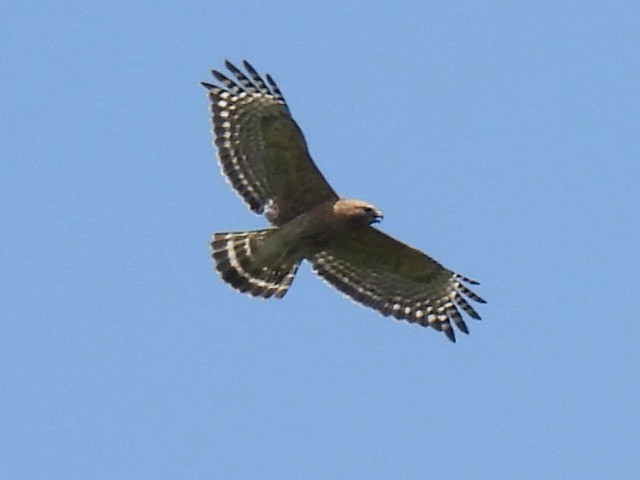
pixel 502 139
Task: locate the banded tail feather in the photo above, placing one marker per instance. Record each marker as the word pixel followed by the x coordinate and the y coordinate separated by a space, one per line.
pixel 234 254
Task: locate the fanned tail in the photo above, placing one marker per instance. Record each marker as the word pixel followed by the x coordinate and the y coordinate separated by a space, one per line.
pixel 234 256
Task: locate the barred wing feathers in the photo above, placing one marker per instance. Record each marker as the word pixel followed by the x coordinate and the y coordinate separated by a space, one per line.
pixel 261 150
pixel 380 272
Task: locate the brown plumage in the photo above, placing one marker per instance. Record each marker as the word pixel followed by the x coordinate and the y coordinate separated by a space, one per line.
pixel 263 154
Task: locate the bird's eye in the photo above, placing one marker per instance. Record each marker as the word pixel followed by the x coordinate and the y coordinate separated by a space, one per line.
pixel 368 209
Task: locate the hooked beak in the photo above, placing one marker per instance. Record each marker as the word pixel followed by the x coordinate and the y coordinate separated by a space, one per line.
pixel 377 217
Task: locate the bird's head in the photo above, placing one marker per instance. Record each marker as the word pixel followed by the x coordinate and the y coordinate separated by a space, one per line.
pixel 358 211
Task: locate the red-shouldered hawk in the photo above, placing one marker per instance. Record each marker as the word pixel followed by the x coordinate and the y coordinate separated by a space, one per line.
pixel 264 156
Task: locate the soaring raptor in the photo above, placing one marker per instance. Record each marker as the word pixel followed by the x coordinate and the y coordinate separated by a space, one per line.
pixel 264 156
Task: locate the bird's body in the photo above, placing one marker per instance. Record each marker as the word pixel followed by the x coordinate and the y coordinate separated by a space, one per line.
pixel 263 154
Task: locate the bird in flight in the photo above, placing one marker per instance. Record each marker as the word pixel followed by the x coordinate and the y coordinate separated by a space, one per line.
pixel 263 155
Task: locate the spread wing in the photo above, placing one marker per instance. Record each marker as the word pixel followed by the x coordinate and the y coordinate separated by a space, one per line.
pixel 261 149
pixel 382 273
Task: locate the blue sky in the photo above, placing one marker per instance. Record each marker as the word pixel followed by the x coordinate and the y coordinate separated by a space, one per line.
pixel 500 138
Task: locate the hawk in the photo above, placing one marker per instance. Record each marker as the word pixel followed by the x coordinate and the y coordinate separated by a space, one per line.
pixel 263 155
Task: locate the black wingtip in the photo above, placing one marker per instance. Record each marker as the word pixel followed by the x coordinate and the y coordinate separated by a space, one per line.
pixel 468 280
pixel 221 77
pixel 232 68
pixel 272 82
pixel 206 85
pixel 450 334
